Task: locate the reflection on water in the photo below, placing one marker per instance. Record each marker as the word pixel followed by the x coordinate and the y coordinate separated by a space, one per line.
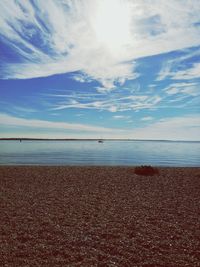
pixel 160 153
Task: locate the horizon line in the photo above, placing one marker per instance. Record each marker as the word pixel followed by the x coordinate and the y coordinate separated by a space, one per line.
pixel 89 139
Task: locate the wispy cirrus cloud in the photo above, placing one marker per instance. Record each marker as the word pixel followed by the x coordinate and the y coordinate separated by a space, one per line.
pixel 8 120
pixel 110 102
pixel 171 67
pixel 54 37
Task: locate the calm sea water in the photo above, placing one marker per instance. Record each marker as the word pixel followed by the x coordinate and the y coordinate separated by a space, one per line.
pixel 157 153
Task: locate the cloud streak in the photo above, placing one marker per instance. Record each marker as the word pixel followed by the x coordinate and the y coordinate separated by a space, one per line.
pixel 113 103
pixel 187 74
pixel 187 89
pixel 7 120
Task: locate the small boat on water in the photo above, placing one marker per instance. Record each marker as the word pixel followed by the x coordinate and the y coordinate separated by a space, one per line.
pixel 100 141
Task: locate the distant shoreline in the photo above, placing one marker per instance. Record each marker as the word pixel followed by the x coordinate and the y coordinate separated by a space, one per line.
pixel 93 139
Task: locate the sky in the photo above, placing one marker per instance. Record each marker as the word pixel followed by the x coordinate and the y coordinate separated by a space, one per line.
pixel 100 69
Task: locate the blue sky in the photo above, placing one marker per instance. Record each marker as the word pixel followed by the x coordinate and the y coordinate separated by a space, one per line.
pixel 100 69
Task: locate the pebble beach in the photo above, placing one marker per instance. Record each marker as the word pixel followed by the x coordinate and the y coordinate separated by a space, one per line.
pixel 99 216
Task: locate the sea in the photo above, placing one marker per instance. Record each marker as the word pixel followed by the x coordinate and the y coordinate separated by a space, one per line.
pixel 94 153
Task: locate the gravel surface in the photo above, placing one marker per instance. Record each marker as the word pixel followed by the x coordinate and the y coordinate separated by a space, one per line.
pixel 99 216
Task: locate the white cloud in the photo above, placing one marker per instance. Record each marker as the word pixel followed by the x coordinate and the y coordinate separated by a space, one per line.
pixel 193 91
pixel 170 68
pixel 101 38
pixel 81 78
pixel 190 89
pixel 42 124
pixel 172 91
pixel 148 118
pixel 187 74
pixel 119 117
pixel 177 128
pixel 104 90
pixel 23 109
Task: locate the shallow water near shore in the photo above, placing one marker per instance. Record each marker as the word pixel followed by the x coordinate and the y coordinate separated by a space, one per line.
pixel 121 153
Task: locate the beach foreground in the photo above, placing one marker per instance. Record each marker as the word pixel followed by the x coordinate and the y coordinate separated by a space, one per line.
pixel 99 216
